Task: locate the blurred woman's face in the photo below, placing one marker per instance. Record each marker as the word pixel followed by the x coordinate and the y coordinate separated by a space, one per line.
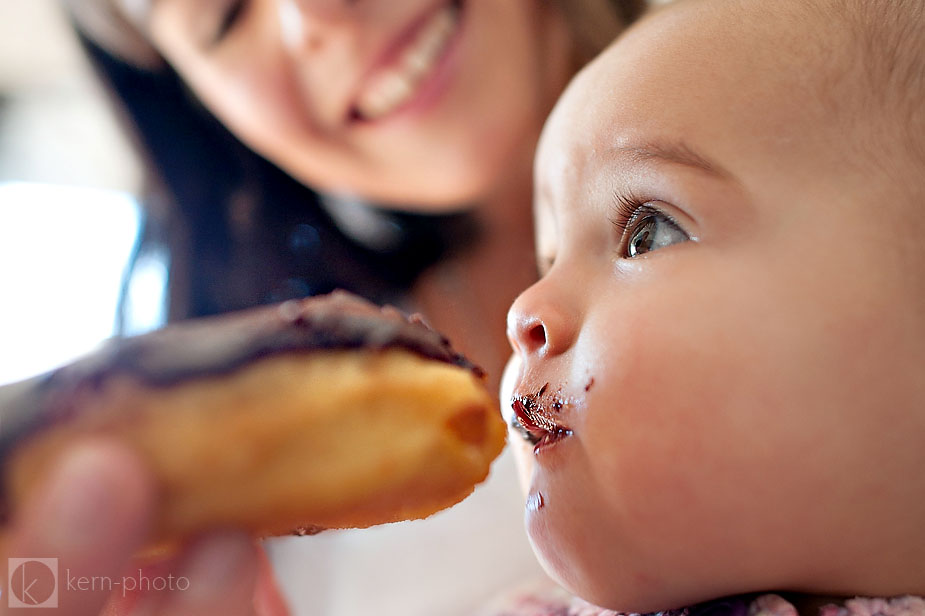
pixel 427 103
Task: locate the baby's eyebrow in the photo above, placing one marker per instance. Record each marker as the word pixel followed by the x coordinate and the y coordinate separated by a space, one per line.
pixel 674 152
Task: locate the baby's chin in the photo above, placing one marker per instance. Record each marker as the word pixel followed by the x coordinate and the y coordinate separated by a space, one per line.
pixel 613 580
pixel 626 591
pixel 629 592
pixel 586 571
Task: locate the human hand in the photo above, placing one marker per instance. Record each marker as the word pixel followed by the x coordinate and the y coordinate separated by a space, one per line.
pixel 93 513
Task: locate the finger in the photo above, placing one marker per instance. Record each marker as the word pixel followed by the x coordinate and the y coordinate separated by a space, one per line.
pixel 216 576
pixel 91 514
pixel 139 580
pixel 139 594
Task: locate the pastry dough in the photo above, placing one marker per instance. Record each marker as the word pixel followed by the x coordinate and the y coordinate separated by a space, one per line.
pixel 321 413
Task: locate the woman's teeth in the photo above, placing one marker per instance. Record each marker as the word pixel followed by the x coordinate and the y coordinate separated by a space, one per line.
pixel 397 83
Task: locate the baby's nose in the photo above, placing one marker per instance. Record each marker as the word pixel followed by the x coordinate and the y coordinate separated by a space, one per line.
pixel 527 335
pixel 539 325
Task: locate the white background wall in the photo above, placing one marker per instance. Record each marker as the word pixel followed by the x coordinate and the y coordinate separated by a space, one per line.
pixel 55 124
pixel 67 220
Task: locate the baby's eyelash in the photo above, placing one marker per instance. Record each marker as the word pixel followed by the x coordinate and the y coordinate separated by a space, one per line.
pixel 626 208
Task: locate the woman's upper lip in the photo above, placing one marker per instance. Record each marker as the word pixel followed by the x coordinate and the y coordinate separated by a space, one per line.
pixel 392 51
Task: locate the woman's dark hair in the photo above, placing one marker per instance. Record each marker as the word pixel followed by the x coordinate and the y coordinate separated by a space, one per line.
pixel 237 230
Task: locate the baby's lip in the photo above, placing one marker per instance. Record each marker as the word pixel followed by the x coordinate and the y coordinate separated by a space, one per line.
pixel 539 417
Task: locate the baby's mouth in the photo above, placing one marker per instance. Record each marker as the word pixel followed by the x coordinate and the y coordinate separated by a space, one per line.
pixel 535 419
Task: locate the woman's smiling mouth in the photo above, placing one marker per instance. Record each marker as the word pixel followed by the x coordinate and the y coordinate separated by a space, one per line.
pixel 406 67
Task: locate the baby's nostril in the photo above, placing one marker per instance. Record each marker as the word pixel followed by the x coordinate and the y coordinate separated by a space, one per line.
pixel 537 335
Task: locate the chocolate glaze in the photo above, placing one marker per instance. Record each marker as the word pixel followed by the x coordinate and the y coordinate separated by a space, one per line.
pixel 304 531
pixel 215 346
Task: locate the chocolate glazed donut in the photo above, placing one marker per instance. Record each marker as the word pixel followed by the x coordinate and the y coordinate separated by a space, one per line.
pixel 327 412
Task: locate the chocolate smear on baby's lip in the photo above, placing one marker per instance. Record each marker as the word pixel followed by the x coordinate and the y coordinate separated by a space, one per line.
pixel 538 410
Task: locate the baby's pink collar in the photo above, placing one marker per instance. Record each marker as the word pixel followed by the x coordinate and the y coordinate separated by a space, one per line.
pixel 775 605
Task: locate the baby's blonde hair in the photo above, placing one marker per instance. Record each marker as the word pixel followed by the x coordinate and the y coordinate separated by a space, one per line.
pixel 878 67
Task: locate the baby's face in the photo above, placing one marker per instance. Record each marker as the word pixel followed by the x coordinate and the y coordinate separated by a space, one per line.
pixel 722 361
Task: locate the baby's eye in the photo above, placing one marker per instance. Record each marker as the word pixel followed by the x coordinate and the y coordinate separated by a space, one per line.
pixel 650 230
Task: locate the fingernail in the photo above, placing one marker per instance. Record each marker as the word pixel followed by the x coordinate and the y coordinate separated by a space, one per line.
pixel 216 564
pixel 79 504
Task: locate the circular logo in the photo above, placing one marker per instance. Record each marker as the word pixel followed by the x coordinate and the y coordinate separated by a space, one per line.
pixel 32 582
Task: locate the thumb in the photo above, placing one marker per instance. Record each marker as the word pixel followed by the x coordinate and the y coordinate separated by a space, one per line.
pixel 91 514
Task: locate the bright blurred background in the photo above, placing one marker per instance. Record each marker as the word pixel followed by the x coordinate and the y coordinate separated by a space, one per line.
pixel 68 220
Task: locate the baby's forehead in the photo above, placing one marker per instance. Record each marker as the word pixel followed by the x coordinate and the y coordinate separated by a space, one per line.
pixel 725 71
pixel 684 76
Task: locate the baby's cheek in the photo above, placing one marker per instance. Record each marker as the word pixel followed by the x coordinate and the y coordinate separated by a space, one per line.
pixel 690 456
pixel 663 454
pixel 636 426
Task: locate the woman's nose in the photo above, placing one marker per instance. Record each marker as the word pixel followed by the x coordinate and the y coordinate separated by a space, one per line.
pixel 324 9
pixel 540 322
pixel 305 23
